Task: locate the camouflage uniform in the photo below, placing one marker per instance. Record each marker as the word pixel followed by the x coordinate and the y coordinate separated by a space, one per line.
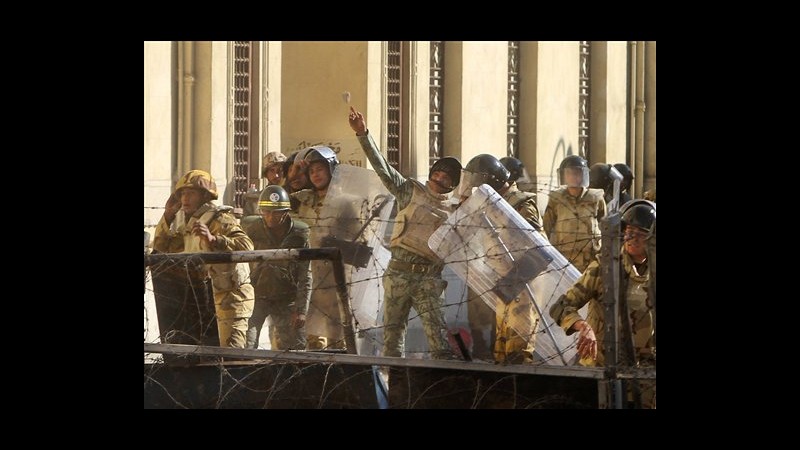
pixel 414 275
pixel 233 294
pixel 589 289
pixel 572 226
pixel 324 323
pixel 510 347
pixel 282 287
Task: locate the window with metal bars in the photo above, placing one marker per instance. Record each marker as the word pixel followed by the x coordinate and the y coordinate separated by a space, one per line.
pixel 241 113
pixel 513 99
pixel 435 128
pixel 394 84
pixel 583 99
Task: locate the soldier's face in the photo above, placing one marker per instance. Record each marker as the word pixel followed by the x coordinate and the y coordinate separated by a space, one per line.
pixel 635 241
pixel 320 174
pixel 442 182
pixel 273 219
pixel 573 176
pixel 274 174
pixel 191 199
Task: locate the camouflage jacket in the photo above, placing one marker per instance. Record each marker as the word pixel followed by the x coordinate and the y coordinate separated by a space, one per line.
pixel 572 224
pixel 589 289
pixel 403 191
pixel 233 293
pixel 525 204
pixel 281 281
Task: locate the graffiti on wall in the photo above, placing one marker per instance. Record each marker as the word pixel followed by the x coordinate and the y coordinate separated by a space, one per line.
pixel 347 152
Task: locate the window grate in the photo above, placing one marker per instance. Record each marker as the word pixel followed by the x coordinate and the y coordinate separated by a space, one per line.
pixel 393 98
pixel 242 57
pixel 436 127
pixel 513 99
pixel 583 99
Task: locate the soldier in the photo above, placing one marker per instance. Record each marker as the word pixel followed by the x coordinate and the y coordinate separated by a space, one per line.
pixel 625 184
pixel 599 179
pixel 283 288
pixel 522 201
pixel 272 170
pixel 572 214
pixel 296 175
pixel 414 274
pixel 191 223
pixel 483 169
pixel 638 219
pixel 509 346
pixel 325 324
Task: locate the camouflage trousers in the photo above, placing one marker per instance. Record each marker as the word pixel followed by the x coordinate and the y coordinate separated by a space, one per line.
pixel 283 335
pixel 232 332
pixel 511 347
pixel 402 290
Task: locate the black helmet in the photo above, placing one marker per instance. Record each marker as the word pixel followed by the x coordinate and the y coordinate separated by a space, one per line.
pixel 627 176
pixel 274 198
pixel 450 166
pixel 320 153
pixel 638 213
pixel 514 167
pixel 489 170
pixel 573 162
pixel 598 176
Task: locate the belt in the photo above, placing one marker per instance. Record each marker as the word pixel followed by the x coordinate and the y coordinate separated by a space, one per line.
pixel 421 268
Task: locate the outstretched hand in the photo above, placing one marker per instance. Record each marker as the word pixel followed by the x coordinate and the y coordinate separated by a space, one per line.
pixel 357 122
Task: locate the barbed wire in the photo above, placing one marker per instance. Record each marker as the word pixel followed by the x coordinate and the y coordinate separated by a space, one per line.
pixel 371 335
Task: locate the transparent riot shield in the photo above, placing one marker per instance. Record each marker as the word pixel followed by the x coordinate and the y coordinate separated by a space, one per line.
pixel 502 258
pixel 353 217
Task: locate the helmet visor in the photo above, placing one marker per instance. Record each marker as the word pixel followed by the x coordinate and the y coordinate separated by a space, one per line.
pixel 471 180
pixel 573 176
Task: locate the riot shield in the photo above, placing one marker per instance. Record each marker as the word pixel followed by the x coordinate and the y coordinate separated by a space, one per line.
pixel 360 192
pixel 503 259
pixel 353 217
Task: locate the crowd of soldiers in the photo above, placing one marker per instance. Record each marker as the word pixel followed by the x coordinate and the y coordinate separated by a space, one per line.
pixel 287 214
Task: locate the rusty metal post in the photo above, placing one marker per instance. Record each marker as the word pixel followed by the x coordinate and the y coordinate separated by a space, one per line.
pixel 610 270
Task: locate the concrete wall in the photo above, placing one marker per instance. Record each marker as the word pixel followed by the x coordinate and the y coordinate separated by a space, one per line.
pixel 314 75
pixel 548 109
pixel 476 97
pixel 608 100
pixel 649 179
pixel 159 134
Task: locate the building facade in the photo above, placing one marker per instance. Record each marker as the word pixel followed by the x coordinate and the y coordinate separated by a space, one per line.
pixel 221 106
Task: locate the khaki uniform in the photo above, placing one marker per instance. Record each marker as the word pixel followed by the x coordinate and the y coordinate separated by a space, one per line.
pixel 589 289
pixel 282 288
pixel 510 347
pixel 414 275
pixel 233 293
pixel 572 226
pixel 324 323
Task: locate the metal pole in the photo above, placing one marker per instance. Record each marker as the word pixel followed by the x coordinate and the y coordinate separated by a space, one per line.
pixel 532 299
pixel 301 356
pixel 610 226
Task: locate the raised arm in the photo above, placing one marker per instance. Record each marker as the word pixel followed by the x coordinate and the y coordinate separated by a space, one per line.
pixel 391 178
